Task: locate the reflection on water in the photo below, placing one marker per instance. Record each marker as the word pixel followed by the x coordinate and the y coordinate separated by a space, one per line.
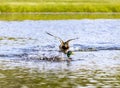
pixel 95 63
pixel 93 69
pixel 33 78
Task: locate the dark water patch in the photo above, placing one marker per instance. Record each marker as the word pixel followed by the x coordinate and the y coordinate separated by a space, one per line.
pixel 14 55
pixel 95 47
pixel 50 52
pixel 29 50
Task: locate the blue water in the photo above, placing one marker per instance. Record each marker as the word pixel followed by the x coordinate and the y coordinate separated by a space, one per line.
pixel 26 37
pixel 24 43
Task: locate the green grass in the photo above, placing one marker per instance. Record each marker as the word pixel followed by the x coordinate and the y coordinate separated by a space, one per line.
pixel 12 17
pixel 59 6
pixel 90 1
pixel 40 6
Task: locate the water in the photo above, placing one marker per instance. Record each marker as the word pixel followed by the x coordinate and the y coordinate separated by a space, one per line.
pixel 96 59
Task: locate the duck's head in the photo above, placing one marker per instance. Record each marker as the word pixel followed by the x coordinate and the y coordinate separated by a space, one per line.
pixel 69 53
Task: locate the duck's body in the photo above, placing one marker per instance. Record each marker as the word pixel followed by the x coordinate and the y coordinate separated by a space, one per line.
pixel 64 46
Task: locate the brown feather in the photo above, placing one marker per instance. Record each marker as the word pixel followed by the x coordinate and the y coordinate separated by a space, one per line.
pixel 71 39
pixel 56 37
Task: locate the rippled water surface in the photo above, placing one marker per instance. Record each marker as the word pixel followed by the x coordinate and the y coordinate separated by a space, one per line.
pixel 95 63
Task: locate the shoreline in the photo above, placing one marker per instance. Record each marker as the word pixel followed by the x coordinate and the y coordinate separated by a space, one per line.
pixel 60 13
pixel 57 16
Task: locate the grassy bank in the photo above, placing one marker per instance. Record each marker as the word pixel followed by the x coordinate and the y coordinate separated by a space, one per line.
pixel 12 17
pixel 59 6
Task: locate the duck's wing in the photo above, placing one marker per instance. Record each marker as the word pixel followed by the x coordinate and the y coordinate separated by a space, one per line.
pixel 56 37
pixel 71 40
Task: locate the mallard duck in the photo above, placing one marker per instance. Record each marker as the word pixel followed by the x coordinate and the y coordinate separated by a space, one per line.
pixel 64 46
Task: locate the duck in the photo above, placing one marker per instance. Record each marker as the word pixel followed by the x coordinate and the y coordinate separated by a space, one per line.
pixel 64 45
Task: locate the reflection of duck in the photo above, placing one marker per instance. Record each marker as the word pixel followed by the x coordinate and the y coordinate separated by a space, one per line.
pixel 64 46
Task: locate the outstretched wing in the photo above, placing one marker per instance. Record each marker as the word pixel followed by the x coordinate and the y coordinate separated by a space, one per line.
pixel 71 40
pixel 56 37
